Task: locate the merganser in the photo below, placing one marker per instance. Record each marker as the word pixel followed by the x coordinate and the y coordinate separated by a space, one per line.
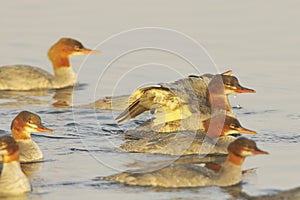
pixel 109 103
pixel 12 180
pixel 179 99
pixel 119 102
pixel 231 83
pixel 22 126
pixel 193 123
pixel 214 140
pixel 24 77
pixel 189 175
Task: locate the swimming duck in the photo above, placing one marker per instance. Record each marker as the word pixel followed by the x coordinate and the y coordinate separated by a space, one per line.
pixel 179 99
pixel 24 77
pixel 213 140
pixel 12 180
pixel 196 122
pixel 22 126
pixel 190 175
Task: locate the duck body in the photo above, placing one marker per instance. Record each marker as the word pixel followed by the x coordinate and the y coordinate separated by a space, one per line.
pixel 182 175
pixel 191 123
pixel 220 124
pixel 195 122
pixel 179 143
pixel 169 101
pixel 33 78
pixel 29 151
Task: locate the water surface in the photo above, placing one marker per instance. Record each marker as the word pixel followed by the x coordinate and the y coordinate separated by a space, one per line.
pixel 259 42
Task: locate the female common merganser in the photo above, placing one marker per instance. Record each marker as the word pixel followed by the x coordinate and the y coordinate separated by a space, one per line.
pixel 22 126
pixel 189 175
pixel 23 77
pixel 193 123
pixel 213 140
pixel 179 99
pixel 12 180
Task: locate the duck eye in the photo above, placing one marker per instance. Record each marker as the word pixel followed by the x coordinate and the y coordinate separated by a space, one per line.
pixel 3 145
pixel 76 48
pixel 227 84
pixel 247 148
pixel 30 121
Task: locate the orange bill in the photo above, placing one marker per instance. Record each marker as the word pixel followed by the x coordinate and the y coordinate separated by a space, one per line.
pixel 42 128
pixel 241 89
pixel 258 151
pixel 245 131
pixel 89 51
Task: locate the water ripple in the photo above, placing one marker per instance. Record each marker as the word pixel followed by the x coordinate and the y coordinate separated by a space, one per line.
pixel 272 137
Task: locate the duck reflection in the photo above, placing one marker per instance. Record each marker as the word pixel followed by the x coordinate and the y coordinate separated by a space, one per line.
pixel 61 98
pixel 30 169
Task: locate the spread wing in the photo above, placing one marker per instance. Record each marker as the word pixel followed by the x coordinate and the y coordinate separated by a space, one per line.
pixel 169 101
pixel 166 104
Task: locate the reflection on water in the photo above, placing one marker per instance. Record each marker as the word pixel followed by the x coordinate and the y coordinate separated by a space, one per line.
pixel 61 98
pixel 30 169
pixel 291 194
pixel 18 197
pixel 23 98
